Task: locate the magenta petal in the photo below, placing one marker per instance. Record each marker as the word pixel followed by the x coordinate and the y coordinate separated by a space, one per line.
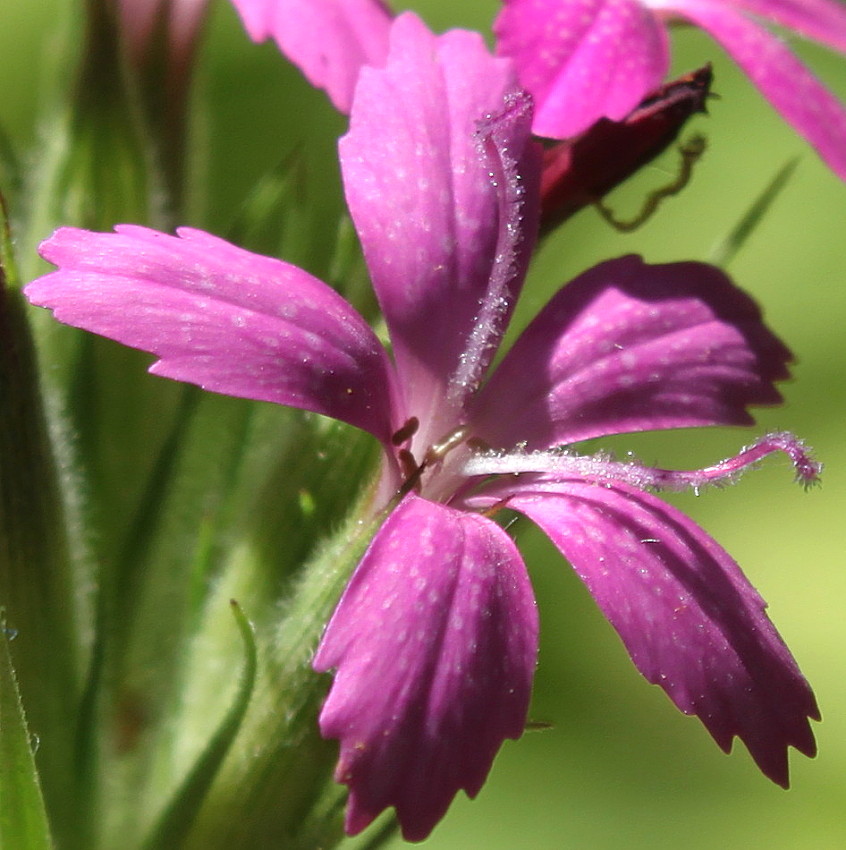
pixel 434 641
pixel 417 173
pixel 582 59
pixel 791 88
pixel 328 40
pixel 221 317
pixel 631 347
pixel 690 620
pixel 821 20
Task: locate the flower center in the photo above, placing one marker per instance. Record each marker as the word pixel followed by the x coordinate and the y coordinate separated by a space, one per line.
pixel 412 470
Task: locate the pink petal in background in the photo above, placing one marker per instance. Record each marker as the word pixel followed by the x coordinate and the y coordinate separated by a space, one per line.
pixel 582 60
pixel 820 20
pixel 328 40
pixel 792 89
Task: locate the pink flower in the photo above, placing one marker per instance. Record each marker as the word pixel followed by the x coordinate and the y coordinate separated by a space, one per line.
pixel 587 59
pixel 328 40
pixel 434 641
pixel 179 20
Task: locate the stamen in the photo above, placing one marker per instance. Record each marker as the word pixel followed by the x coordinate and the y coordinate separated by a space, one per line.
pixel 406 432
pixel 603 468
pixel 438 451
pixel 408 464
pixel 495 508
pixel 413 471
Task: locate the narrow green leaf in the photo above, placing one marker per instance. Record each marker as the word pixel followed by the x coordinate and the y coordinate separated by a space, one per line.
pixel 227 516
pixel 728 248
pixel 273 218
pixel 23 820
pixel 180 814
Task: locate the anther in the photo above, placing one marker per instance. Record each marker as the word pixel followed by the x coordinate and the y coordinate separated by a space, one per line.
pixel 408 464
pixel 406 432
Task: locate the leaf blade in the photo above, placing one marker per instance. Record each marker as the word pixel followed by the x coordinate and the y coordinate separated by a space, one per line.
pixel 23 817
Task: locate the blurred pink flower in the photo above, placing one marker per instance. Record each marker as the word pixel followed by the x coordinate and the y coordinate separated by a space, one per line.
pixel 159 38
pixel 434 641
pixel 587 59
pixel 328 40
pixel 179 21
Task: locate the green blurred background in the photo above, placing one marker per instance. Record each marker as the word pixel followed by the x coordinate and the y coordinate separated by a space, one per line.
pixel 621 768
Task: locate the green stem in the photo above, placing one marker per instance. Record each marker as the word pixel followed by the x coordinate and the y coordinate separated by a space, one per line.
pixel 280 766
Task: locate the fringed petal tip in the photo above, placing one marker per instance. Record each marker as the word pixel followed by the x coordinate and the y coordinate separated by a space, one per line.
pixel 769 745
pixel 627 347
pixel 434 644
pixel 688 617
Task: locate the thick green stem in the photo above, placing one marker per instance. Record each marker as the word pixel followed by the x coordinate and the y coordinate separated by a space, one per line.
pixel 275 789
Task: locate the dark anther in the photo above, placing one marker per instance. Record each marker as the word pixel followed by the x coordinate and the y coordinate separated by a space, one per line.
pixel 406 432
pixel 408 464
